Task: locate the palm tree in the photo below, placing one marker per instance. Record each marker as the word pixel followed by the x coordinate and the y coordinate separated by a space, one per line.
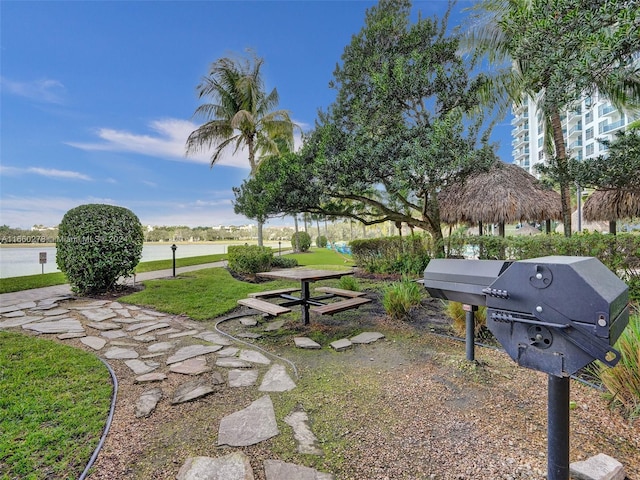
pixel 241 114
pixel 557 51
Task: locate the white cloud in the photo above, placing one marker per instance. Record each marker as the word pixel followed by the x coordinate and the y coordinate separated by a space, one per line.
pixel 43 90
pixel 167 140
pixel 45 172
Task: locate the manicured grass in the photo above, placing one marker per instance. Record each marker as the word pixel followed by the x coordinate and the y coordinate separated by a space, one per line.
pixel 180 262
pixel 53 408
pixel 202 295
pixel 16 284
pixel 323 258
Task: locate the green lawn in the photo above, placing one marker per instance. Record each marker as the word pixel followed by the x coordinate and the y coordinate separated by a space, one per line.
pixel 53 408
pixel 27 282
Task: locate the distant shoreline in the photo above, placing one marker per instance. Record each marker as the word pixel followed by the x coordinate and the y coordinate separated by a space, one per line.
pixel 210 242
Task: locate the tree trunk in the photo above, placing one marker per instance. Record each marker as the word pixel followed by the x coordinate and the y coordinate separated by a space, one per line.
pixel 296 247
pixel 260 243
pixel 561 158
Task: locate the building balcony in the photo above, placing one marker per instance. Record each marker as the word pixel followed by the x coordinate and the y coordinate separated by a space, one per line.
pixel 608 127
pixel 575 130
pixel 604 110
pixel 576 144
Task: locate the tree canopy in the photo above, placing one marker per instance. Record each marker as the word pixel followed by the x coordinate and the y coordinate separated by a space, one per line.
pixel 405 123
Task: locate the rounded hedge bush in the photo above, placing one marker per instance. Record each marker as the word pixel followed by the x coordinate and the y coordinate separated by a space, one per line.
pixel 321 241
pixel 301 241
pixel 97 244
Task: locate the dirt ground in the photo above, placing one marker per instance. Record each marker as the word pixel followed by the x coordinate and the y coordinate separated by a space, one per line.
pixel 407 407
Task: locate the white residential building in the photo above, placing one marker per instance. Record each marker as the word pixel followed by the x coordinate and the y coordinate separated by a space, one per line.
pixel 590 119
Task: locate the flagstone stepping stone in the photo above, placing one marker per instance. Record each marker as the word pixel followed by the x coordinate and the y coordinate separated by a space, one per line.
pixel 133 307
pixel 276 380
pixel 254 357
pixel 66 325
pixel 17 306
pixel 228 352
pixel 140 326
pixel 274 326
pixel 151 355
pixel 147 402
pixel 216 378
pixel 250 335
pixel 104 326
pixel 151 377
pixel 249 426
pixel 94 342
pixel 151 328
pixel 118 353
pixel 167 331
pixel 183 334
pixel 191 390
pixel 141 317
pixel 214 338
pixel 17 313
pixel 230 362
pixel 116 305
pixel 193 366
pixel 248 321
pixel 234 466
pixel 145 338
pixel 67 336
pixel 304 342
pixel 123 312
pixel 120 343
pixel 19 321
pixel 139 367
pixel 113 334
pixel 279 470
pixel 243 378
pixel 192 351
pixel 97 303
pixel 45 306
pixel 367 337
pixel 340 345
pixel 161 347
pixel 99 314
pixel 153 313
pixel 307 441
pixel 126 321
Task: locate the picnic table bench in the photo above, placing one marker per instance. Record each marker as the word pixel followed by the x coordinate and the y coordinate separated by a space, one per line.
pixel 340 292
pixel 263 306
pixel 342 305
pixel 273 293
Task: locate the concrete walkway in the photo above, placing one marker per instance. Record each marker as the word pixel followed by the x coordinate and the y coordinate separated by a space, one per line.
pixel 36 294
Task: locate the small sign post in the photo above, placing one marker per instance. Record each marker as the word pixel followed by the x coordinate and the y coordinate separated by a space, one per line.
pixel 43 260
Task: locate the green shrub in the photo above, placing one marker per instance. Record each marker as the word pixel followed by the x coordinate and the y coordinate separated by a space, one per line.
pixel 402 255
pixel 301 241
pixel 283 262
pixel 458 315
pixel 97 245
pixel 348 282
pixel 321 241
pixel 249 259
pixel 400 297
pixel 623 381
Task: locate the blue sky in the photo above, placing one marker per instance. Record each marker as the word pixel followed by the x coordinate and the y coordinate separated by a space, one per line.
pixel 97 98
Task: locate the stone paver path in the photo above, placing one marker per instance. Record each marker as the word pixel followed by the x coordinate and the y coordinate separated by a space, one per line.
pixel 155 345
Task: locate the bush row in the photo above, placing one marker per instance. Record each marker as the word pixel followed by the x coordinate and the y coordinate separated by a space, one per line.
pixel 403 255
pixel 251 259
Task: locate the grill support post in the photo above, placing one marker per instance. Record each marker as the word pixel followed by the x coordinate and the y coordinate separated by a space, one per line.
pixel 558 428
pixel 470 330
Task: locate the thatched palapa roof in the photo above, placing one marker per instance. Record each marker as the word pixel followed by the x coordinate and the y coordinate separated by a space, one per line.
pixel 611 205
pixel 504 194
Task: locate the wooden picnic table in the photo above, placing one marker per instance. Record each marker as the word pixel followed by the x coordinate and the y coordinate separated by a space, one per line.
pixel 305 276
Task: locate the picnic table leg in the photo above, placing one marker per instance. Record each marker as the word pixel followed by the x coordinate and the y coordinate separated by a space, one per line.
pixel 305 304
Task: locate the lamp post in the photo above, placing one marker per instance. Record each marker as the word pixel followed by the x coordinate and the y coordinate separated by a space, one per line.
pixel 279 248
pixel 173 250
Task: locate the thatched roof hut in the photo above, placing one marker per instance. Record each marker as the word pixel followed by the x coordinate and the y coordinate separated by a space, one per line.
pixel 609 205
pixel 504 194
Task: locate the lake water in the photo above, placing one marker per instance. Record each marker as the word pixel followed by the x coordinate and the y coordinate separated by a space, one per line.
pixel 20 261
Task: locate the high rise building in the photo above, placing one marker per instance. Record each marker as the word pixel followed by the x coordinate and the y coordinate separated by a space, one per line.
pixel 590 119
